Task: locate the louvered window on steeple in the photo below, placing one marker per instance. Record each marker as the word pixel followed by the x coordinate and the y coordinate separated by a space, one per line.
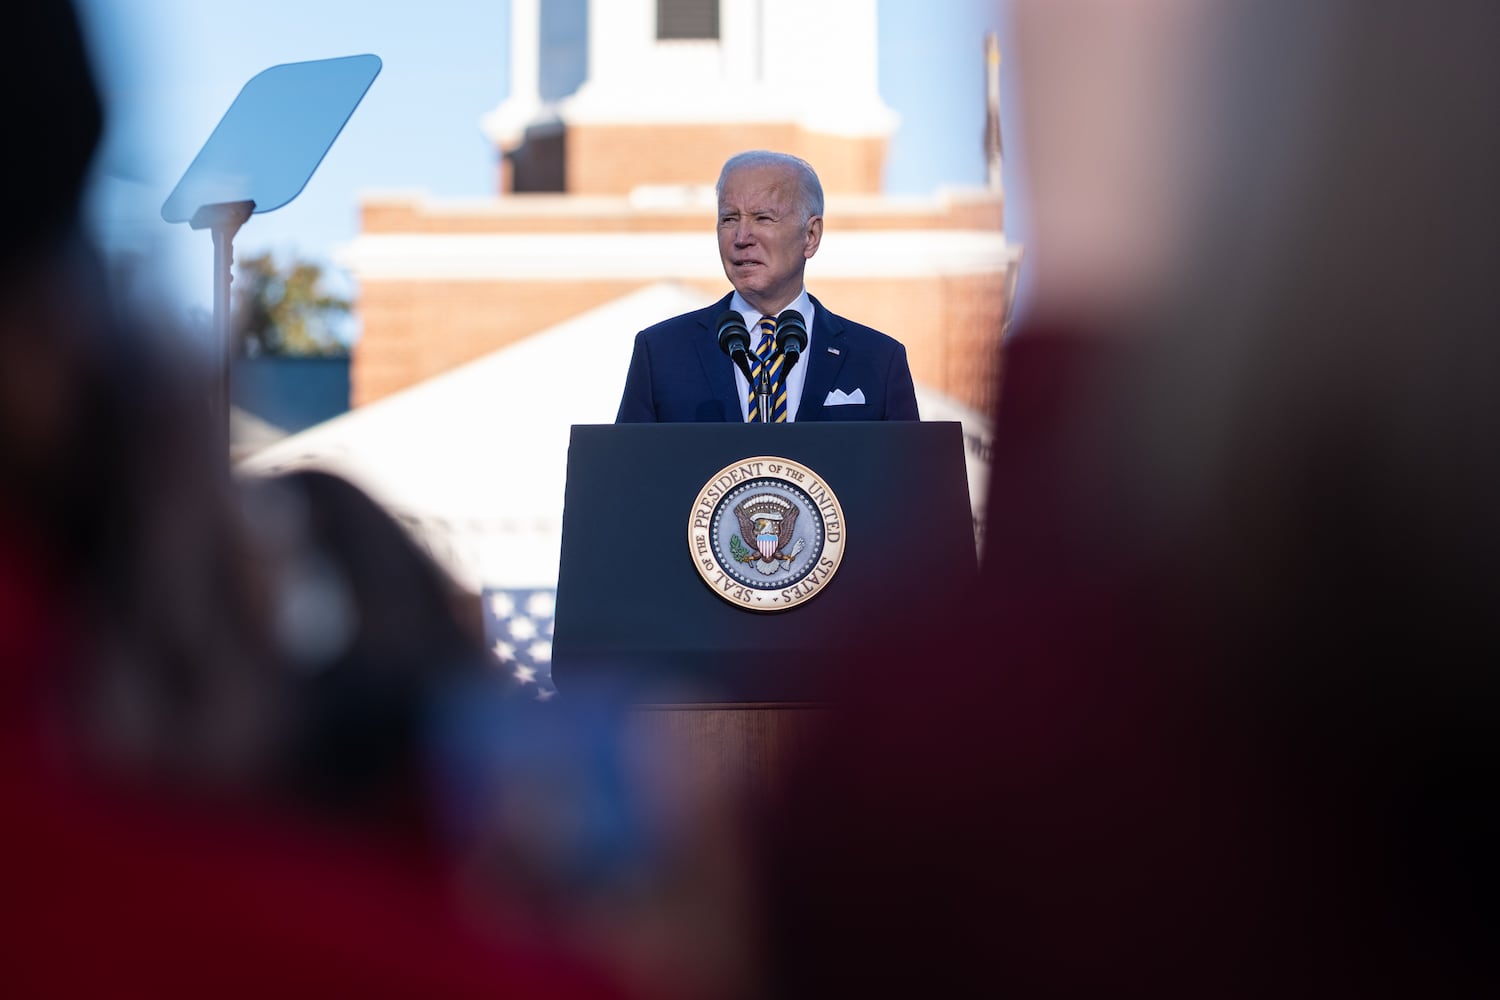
pixel 697 19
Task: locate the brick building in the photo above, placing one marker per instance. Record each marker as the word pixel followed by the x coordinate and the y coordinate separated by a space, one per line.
pixel 619 116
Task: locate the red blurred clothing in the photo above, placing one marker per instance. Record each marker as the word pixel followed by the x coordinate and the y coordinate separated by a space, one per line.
pixel 109 892
pixel 1097 780
pixel 115 896
pixel 1027 805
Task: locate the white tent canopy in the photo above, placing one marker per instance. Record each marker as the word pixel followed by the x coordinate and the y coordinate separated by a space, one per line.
pixel 474 460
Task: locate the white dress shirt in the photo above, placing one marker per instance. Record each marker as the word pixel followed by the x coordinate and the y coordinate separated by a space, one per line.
pixel 793 382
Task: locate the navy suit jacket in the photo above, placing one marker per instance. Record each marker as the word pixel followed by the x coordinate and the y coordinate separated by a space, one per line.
pixel 679 375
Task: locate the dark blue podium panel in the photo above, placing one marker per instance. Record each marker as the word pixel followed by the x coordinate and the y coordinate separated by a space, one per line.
pixel 634 612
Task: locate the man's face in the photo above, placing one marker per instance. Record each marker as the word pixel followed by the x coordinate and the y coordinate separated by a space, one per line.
pixel 763 240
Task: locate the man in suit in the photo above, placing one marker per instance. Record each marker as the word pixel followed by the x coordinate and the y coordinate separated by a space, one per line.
pixel 770 224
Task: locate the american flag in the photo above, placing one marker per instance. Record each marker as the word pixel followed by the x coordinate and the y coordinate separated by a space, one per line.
pixel 518 630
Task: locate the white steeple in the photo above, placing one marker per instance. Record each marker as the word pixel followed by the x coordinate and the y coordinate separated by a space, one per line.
pixel 806 63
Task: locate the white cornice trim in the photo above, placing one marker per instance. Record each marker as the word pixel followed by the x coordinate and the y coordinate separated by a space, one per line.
pixel 659 256
pixel 685 200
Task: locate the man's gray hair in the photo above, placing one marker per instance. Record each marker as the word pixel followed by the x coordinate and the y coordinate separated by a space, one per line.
pixel 808 186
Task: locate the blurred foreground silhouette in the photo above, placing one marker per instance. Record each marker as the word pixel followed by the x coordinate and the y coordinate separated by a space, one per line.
pixel 1221 719
pixel 1218 719
pixel 215 699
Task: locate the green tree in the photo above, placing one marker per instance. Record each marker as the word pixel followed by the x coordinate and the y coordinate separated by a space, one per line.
pixel 285 311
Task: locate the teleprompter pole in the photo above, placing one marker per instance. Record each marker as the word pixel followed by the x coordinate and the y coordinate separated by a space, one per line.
pixel 222 221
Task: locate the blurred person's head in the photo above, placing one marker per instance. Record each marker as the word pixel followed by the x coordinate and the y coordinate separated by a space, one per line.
pixel 1110 107
pixel 49 314
pixel 770 225
pixel 53 122
pixel 112 497
pixel 1306 435
pixel 369 629
pixel 1223 720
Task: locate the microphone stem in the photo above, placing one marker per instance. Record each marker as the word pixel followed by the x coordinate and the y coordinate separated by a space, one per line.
pixel 742 359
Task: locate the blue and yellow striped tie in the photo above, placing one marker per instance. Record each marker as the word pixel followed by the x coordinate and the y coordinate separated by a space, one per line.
pixel 764 352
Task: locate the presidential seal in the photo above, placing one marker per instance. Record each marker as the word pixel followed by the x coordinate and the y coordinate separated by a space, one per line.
pixel 766 533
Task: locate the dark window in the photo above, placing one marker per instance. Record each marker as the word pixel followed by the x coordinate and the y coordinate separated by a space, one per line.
pixel 687 19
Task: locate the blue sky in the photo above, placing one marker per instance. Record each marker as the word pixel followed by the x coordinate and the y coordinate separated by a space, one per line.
pixel 170 68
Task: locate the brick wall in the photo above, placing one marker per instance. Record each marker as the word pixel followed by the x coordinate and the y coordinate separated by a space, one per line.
pixel 950 326
pixel 544 213
pixel 413 330
pixel 416 329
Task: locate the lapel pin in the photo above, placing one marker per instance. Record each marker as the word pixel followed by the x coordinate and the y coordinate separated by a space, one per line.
pixel 833 350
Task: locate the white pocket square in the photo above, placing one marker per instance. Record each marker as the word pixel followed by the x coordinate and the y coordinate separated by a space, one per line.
pixel 838 398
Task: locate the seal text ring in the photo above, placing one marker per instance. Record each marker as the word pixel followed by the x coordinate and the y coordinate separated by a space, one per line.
pixel 766 533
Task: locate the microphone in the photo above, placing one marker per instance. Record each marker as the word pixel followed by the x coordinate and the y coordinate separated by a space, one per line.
pixel 734 340
pixel 791 337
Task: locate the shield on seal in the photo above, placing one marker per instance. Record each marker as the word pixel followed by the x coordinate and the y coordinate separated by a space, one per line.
pixel 767 539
